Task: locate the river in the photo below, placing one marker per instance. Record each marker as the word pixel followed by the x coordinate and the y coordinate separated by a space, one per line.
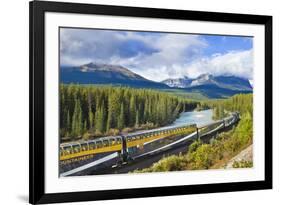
pixel 186 118
pixel 194 117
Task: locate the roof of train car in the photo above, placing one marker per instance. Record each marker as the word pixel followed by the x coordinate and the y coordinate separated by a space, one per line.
pixel 88 141
pixel 118 136
pixel 135 134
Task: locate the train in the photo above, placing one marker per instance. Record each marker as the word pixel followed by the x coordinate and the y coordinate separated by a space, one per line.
pixel 128 146
pixel 121 143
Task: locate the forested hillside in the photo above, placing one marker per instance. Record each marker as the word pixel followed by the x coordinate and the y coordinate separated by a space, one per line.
pixel 243 103
pixel 92 111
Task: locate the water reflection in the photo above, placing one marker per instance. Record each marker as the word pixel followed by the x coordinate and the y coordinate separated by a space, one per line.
pixel 195 117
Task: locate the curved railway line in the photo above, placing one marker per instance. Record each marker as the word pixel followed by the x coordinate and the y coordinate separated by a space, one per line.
pixel 116 151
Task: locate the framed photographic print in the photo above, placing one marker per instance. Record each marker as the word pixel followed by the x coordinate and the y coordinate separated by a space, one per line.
pixel 140 102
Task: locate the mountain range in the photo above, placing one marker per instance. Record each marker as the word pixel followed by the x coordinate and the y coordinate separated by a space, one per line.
pixel 99 73
pixel 205 84
pixel 228 82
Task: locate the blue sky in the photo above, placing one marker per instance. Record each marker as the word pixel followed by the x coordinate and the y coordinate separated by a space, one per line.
pixel 224 44
pixel 158 56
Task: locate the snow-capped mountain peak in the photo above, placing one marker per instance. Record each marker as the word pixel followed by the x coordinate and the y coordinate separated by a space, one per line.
pixel 228 82
pixel 178 82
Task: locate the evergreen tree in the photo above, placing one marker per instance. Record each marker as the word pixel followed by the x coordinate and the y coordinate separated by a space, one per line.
pixel 137 119
pixel 91 118
pixel 118 107
pixel 132 109
pixel 113 109
pixel 85 126
pixel 100 119
pixel 121 118
pixel 77 120
pixel 68 122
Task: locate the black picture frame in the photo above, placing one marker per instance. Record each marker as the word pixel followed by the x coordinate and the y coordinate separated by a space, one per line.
pixel 37 9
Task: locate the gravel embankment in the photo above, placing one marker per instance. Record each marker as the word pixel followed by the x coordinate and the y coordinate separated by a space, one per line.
pixel 246 155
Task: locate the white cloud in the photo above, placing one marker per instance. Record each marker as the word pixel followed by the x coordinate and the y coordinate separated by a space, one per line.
pixel 155 56
pixel 174 51
pixel 238 63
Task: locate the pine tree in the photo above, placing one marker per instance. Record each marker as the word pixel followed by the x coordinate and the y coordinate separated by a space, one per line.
pixel 109 120
pixel 146 111
pixel 68 123
pixel 113 109
pixel 137 119
pixel 91 118
pixel 77 119
pixel 121 118
pixel 85 126
pixel 119 107
pixel 100 119
pixel 132 110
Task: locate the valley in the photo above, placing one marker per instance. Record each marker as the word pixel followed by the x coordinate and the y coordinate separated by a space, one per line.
pixel 141 101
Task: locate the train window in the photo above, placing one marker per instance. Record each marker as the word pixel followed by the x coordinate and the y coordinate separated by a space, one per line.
pixel 105 143
pixel 111 142
pixel 92 145
pixel 99 144
pixel 68 150
pixel 84 146
pixel 115 141
pixel 118 141
pixel 76 148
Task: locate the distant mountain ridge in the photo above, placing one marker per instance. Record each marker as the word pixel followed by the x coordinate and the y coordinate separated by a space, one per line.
pixel 99 73
pixel 104 74
pixel 116 69
pixel 226 82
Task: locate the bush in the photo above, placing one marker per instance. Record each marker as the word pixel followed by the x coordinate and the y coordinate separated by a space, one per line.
pixel 126 130
pixel 242 164
pixel 172 163
pixel 98 133
pixel 193 147
pixel 113 132
pixel 202 157
pixel 86 136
